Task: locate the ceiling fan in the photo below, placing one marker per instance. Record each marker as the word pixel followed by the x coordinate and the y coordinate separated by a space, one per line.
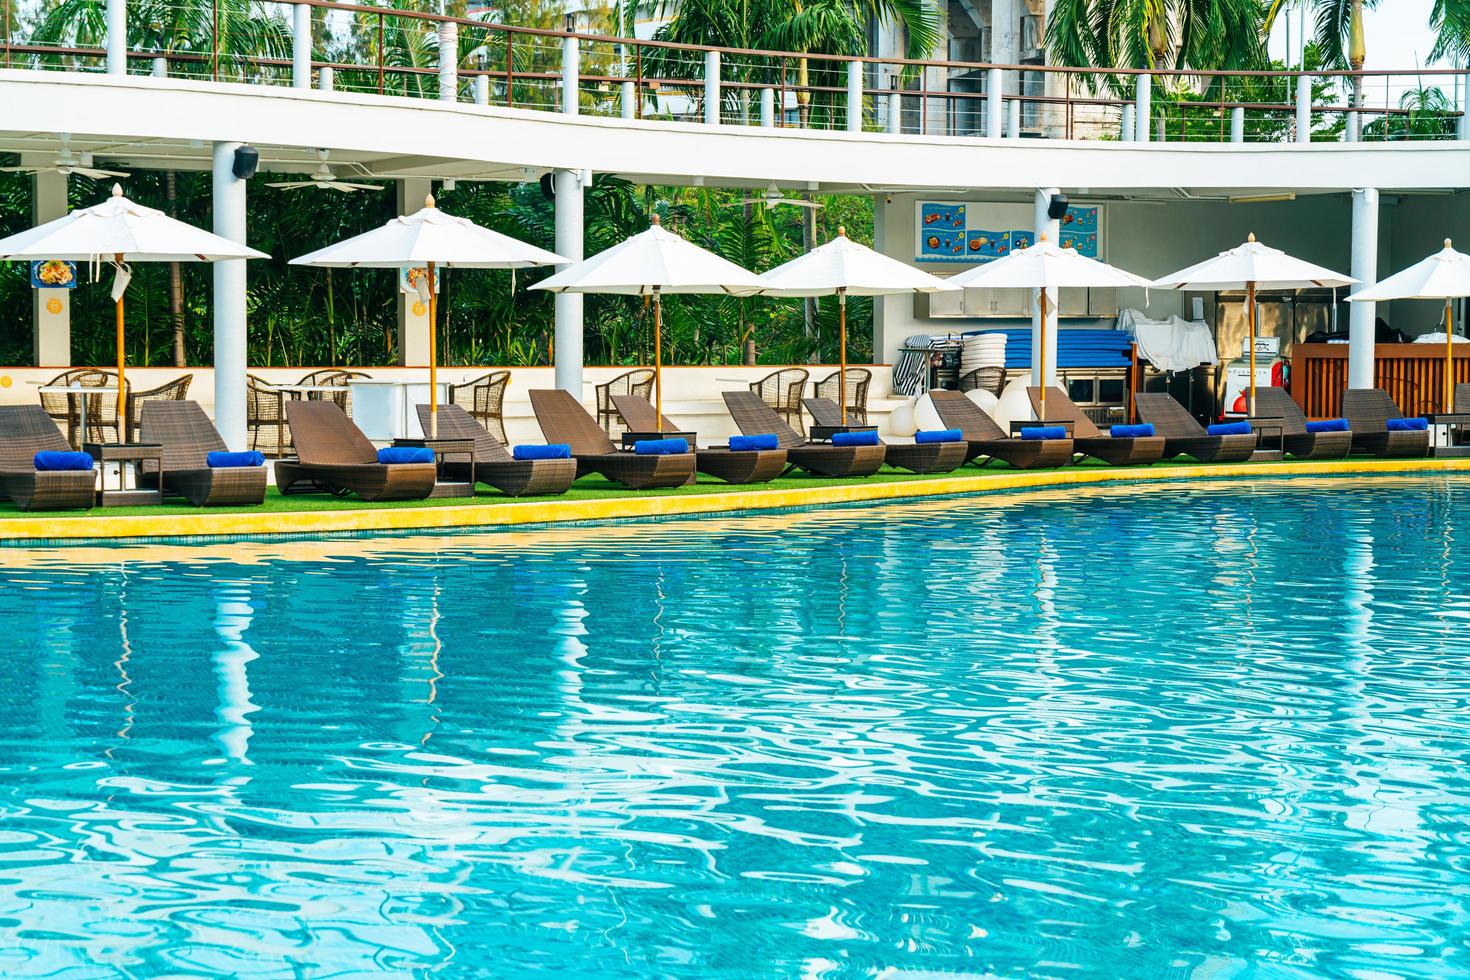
pixel 772 197
pixel 68 163
pixel 325 179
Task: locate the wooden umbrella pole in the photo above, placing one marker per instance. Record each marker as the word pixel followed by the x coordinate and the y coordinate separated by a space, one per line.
pixel 433 357
pixel 1042 296
pixel 842 350
pixel 122 388
pixel 1250 292
pixel 1449 356
pixel 658 361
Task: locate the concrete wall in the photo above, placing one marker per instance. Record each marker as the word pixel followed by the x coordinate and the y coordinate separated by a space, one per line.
pixel 1422 225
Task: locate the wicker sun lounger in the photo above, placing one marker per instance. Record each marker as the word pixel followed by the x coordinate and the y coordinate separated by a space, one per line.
pixel 188 437
pixel 732 466
pixel 1276 403
pixel 1368 411
pixel 1183 436
pixel 333 456
pixel 24 431
pixel 563 419
pixel 494 465
pixel 754 417
pixel 1092 441
pixel 927 457
pixel 984 438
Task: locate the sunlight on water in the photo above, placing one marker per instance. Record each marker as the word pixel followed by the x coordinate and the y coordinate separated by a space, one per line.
pixel 1211 731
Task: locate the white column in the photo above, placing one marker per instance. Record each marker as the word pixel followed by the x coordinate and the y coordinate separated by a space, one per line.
pixel 569 305
pixel 1361 334
pixel 712 88
pixel 1127 128
pixel 1237 124
pixel 1013 119
pixel 854 96
pixel 482 90
pixel 768 107
pixel 160 67
pixel 325 78
pixel 895 113
pixel 629 99
pixel 229 302
pixel 413 313
pixel 117 37
pixel 301 46
pixel 1143 95
pixel 1463 130
pixel 1052 230
pixel 994 108
pixel 52 307
pixel 1304 109
pixel 448 61
pixel 571 73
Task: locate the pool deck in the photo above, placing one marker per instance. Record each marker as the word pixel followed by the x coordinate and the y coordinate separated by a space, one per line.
pixel 240 523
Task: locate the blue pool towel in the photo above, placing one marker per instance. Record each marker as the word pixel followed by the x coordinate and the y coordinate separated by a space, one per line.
pixel 405 454
pixel 555 450
pixel 939 435
pixel 661 447
pixel 1407 425
pixel 1044 432
pixel 1141 431
pixel 52 459
pixel 1230 429
pixel 865 437
pixel 747 444
pixel 222 460
pixel 1329 425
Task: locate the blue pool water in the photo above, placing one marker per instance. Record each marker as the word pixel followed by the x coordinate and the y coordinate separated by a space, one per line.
pixel 1214 731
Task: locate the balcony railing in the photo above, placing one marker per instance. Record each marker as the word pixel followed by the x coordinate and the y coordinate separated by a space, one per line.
pixel 405 53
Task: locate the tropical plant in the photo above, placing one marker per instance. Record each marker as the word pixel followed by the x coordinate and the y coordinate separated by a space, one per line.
pixel 1450 20
pixel 1426 112
pixel 1205 34
pixel 1338 34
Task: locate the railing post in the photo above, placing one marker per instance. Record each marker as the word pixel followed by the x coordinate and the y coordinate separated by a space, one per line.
pixel 629 99
pixel 325 77
pixel 712 88
pixel 895 110
pixel 1013 119
pixel 1127 128
pixel 160 66
pixel 448 61
pixel 117 37
pixel 482 90
pixel 994 108
pixel 571 74
pixel 1463 130
pixel 301 46
pixel 768 107
pixel 1304 109
pixel 854 96
pixel 1143 96
pixel 1237 124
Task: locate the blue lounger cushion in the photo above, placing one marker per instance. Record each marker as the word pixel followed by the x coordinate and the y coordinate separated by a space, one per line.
pixel 939 435
pixel 1043 432
pixel 1329 425
pixel 227 461
pixel 49 460
pixel 756 443
pixel 554 450
pixel 1407 425
pixel 864 437
pixel 1141 431
pixel 1230 429
pixel 405 454
pixel 661 447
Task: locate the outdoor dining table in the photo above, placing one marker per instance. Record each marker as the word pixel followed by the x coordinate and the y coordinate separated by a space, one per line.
pixel 71 391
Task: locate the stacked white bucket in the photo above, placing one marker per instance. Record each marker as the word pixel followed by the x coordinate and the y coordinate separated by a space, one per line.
pixel 982 350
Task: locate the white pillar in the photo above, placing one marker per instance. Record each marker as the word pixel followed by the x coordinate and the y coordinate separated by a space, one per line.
pixel 768 107
pixel 1127 128
pixel 482 90
pixel 448 61
pixel 994 108
pixel 1013 119
pixel 895 113
pixel 228 302
pixel 1361 333
pixel 569 305
pixel 629 100
pixel 1143 96
pixel 301 46
pixel 52 307
pixel 1304 109
pixel 325 78
pixel 854 96
pixel 571 73
pixel 413 313
pixel 160 67
pixel 1237 124
pixel 117 37
pixel 1052 230
pixel 1463 130
pixel 712 88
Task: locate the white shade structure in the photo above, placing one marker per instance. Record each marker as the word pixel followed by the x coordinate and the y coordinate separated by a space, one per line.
pixel 1251 267
pixel 1445 275
pixel 121 231
pixel 1043 266
pixel 652 263
pixel 432 240
pixel 844 268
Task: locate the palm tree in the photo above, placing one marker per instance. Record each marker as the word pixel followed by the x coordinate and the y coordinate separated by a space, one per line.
pixel 1451 22
pixel 1339 33
pixel 1206 34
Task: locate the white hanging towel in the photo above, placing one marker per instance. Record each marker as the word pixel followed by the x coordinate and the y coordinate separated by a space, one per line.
pixel 1174 344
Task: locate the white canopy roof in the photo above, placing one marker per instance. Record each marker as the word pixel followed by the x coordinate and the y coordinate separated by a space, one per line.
pixel 654 260
pixel 430 235
pixel 1044 265
pixel 1443 275
pixel 1268 268
pixel 119 226
pixel 845 265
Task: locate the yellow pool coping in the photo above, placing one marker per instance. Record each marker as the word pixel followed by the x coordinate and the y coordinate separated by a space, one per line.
pixel 207 524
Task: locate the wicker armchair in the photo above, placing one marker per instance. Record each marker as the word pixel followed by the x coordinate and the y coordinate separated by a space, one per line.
pixel 783 391
pixel 67 408
pixel 858 382
pixel 639 382
pixel 484 399
pixel 991 379
pixel 174 391
pixel 342 398
pixel 265 417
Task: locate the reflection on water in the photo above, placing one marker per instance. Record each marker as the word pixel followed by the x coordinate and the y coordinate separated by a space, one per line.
pixel 1209 731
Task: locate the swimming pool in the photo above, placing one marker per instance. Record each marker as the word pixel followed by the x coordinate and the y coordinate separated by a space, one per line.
pixel 1213 730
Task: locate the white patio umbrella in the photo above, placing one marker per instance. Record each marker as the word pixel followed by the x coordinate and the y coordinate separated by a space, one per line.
pixel 1253 266
pixel 432 240
pixel 1043 266
pixel 652 263
pixel 843 267
pixel 121 232
pixel 1444 275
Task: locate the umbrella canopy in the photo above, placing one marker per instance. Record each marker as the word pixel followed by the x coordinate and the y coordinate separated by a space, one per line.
pixel 1253 265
